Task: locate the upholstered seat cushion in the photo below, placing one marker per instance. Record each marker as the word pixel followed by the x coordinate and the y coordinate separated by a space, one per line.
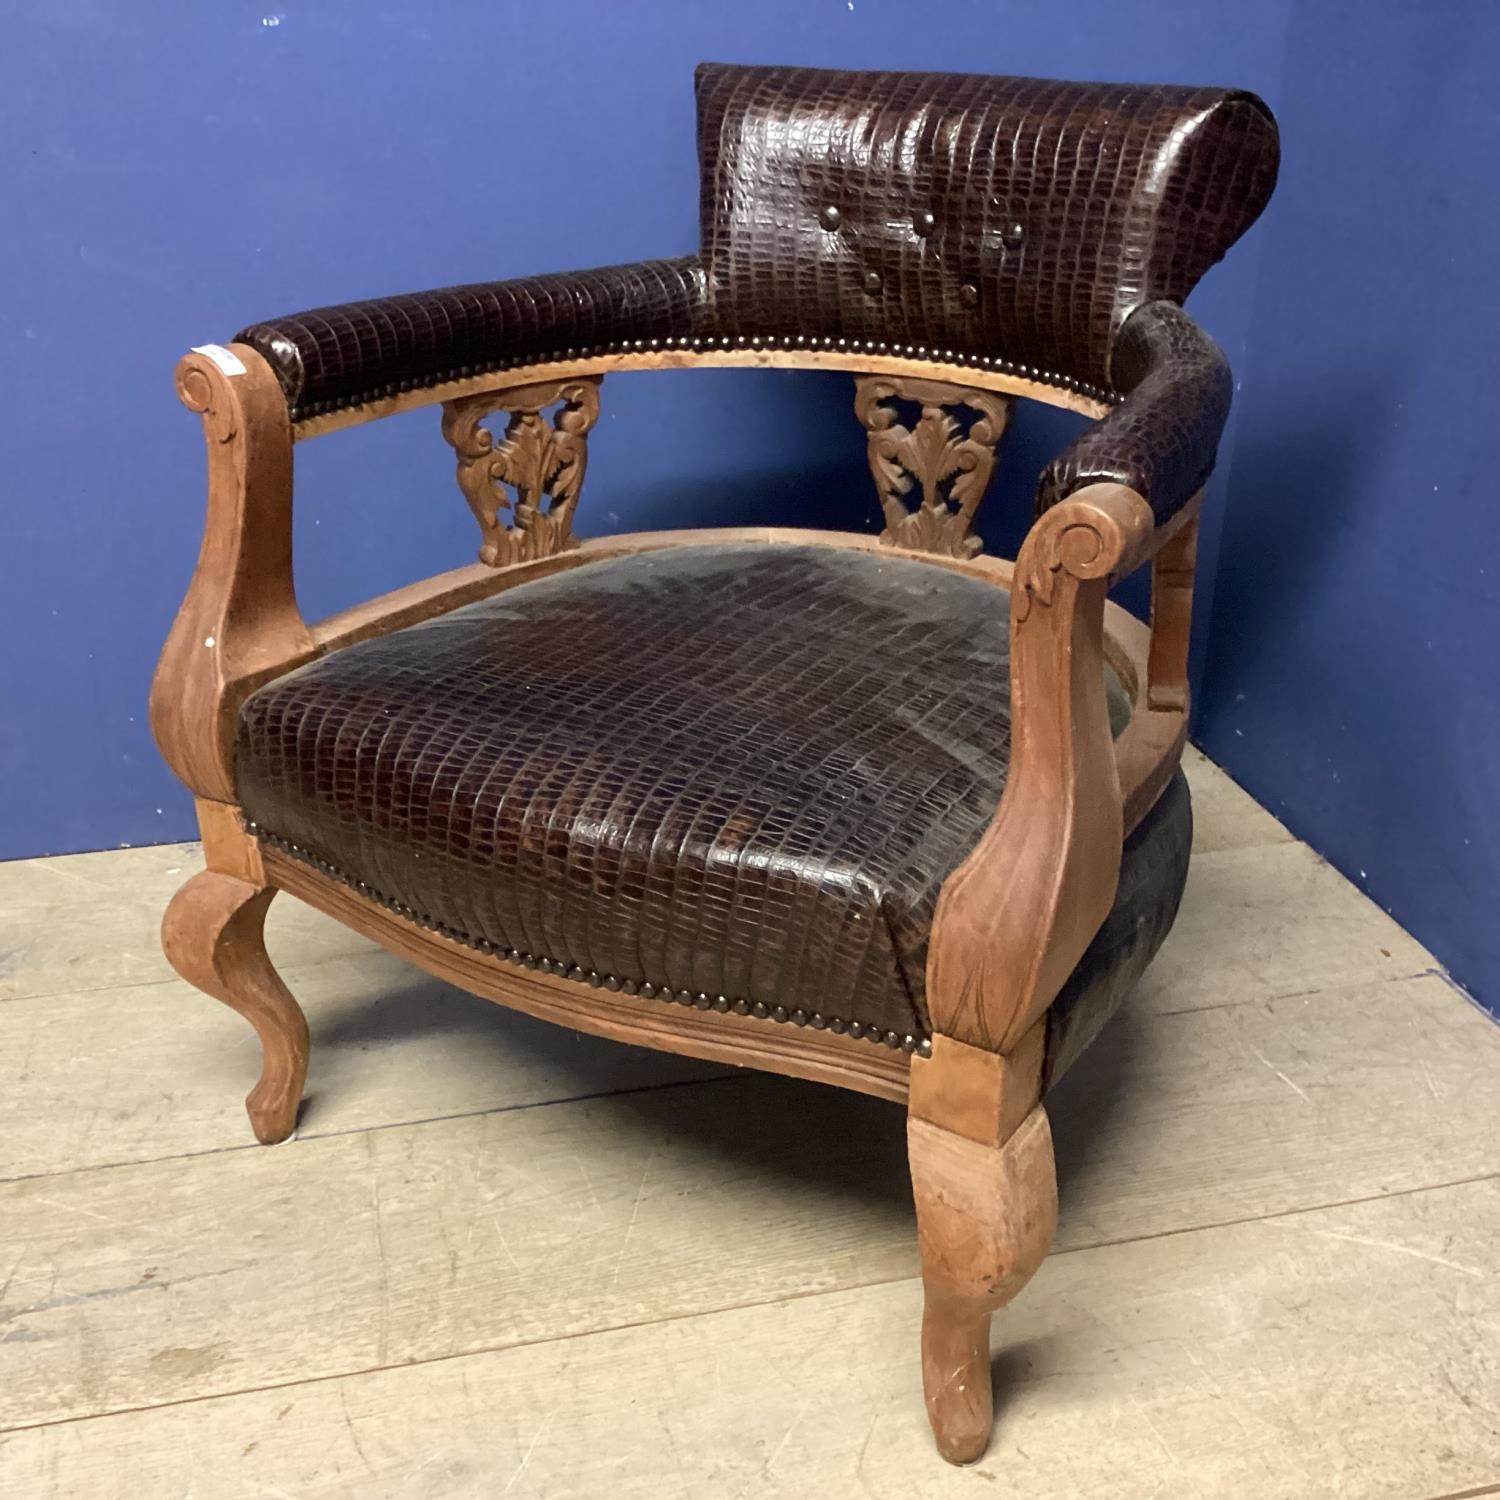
pixel 731 775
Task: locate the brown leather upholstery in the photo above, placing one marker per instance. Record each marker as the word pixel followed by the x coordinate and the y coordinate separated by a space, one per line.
pixel 1030 225
pixel 736 777
pixel 1162 439
pixel 732 776
pixel 1022 217
pixel 332 357
pixel 1153 871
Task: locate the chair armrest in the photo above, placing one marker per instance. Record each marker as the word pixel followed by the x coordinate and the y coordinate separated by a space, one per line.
pixel 1015 917
pixel 1162 438
pixel 334 357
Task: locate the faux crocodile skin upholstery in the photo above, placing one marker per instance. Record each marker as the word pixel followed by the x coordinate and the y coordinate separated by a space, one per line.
pixel 1009 223
pixel 1162 438
pixel 1022 217
pixel 1153 872
pixel 731 775
pixel 333 357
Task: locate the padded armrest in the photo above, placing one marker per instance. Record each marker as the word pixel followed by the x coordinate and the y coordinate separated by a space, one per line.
pixel 1162 438
pixel 334 357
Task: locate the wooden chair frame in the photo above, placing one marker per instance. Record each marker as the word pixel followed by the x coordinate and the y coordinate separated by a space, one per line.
pixel 1012 921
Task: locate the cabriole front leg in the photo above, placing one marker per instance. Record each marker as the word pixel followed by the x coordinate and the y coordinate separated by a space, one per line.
pixel 213 935
pixel 985 1220
pixel 985 1189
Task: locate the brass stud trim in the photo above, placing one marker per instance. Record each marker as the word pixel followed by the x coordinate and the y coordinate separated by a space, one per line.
pixel 701 344
pixel 910 1042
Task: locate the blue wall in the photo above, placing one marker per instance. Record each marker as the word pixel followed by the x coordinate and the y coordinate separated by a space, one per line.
pixel 1353 681
pixel 172 171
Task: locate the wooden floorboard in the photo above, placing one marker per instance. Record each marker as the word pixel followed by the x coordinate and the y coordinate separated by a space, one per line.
pixel 90 922
pixel 151 1282
pixel 503 1259
pixel 1249 1361
pixel 99 1077
pixel 1269 920
pixel 1225 816
pixel 158 1064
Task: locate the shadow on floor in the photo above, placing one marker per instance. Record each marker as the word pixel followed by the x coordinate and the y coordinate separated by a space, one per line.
pixel 844 1146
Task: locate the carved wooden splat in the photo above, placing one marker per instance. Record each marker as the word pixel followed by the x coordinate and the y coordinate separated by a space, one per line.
pixel 542 462
pixel 947 462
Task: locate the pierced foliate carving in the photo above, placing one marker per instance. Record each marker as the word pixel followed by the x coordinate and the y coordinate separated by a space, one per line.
pixel 947 458
pixel 542 462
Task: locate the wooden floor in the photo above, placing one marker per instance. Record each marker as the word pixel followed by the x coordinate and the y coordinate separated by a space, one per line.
pixel 500 1259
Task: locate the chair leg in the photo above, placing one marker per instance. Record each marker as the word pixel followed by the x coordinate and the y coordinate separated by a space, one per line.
pixel 985 1217
pixel 213 935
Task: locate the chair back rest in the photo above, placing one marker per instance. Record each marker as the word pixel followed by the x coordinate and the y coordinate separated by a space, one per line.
pixel 1020 219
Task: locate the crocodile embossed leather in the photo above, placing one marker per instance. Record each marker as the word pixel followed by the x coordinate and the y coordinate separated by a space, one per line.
pixel 1017 222
pixel 551 775
pixel 330 357
pixel 1161 439
pixel 1014 216
pixel 876 810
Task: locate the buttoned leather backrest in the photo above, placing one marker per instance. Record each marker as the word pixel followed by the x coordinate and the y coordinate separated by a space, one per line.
pixel 1014 217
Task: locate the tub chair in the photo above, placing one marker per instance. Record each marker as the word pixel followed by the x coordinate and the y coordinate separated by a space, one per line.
pixel 876 810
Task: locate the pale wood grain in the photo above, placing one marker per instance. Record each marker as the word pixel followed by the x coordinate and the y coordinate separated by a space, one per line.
pixel 1014 918
pixel 1225 816
pixel 239 625
pixel 213 934
pixel 36 884
pixel 156 1070
pixel 1204 1116
pixel 842 360
pixel 162 1281
pixel 1228 1363
pixel 1273 919
pixel 93 922
pixel 986 1216
pixel 723 1037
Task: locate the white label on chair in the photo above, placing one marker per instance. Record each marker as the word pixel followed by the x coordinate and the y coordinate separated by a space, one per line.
pixel 228 362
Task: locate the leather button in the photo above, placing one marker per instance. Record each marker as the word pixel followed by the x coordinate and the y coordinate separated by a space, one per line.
pixel 968 294
pixel 872 282
pixel 830 218
pixel 1013 234
pixel 923 223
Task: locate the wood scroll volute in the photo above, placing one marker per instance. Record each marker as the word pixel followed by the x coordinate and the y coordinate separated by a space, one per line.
pixel 946 465
pixel 1014 919
pixel 239 625
pixel 542 462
